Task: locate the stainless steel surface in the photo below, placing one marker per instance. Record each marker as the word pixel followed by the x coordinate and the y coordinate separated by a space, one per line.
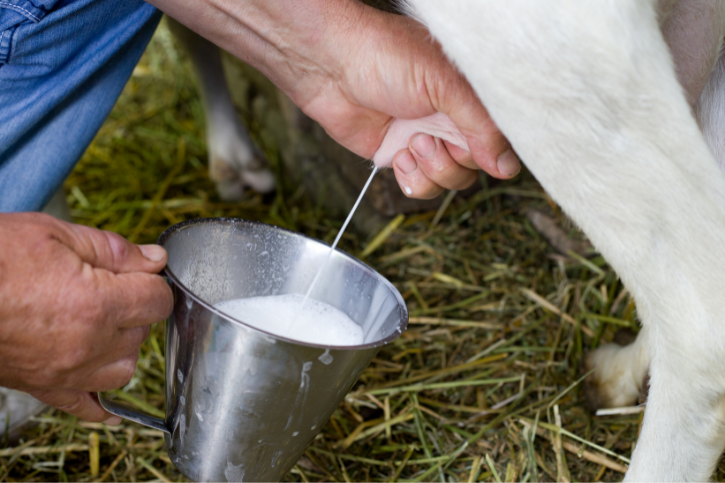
pixel 242 404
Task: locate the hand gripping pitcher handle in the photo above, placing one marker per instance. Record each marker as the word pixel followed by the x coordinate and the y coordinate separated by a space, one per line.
pixel 127 412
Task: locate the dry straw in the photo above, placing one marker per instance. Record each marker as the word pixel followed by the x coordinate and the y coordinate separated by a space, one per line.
pixel 484 385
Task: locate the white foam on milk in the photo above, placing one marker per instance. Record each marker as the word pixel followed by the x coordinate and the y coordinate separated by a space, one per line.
pixel 314 322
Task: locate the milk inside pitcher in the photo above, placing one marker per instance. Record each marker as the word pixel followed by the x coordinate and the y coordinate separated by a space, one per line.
pixel 243 403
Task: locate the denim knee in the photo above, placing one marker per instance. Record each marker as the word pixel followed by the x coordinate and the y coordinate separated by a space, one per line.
pixel 63 64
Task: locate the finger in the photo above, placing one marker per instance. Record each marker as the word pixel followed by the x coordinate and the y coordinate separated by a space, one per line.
pixel 111 376
pixel 78 403
pixel 460 155
pixel 122 346
pixel 136 299
pixel 110 251
pixel 432 157
pixel 490 149
pixel 412 179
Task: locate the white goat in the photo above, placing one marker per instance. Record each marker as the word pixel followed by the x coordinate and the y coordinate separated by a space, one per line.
pixel 587 93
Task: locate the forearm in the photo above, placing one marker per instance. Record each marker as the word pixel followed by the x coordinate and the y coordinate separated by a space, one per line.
pixel 354 70
pixel 294 43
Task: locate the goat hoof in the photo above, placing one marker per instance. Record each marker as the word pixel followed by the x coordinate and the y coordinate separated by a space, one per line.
pixel 231 190
pixel 261 181
pixel 610 384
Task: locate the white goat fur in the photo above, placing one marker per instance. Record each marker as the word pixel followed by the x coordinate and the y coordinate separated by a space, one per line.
pixel 587 93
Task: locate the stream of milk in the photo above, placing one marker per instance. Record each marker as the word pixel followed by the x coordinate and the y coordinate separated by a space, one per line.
pixel 339 234
pixel 299 317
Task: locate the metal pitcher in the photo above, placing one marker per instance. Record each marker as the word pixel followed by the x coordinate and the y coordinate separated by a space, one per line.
pixel 243 404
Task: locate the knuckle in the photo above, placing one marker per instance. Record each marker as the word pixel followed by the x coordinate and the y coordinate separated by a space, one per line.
pixel 431 193
pixel 466 181
pixel 127 370
pixel 73 404
pixel 118 248
pixel 145 331
pixel 166 299
pixel 94 312
pixel 77 355
pixel 156 302
pixel 135 338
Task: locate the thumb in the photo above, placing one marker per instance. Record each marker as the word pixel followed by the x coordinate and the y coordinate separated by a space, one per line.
pixel 490 150
pixel 112 252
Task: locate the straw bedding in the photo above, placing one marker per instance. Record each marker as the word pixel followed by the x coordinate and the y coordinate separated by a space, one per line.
pixel 485 384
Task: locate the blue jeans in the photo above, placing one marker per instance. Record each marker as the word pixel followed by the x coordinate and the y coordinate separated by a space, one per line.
pixel 63 64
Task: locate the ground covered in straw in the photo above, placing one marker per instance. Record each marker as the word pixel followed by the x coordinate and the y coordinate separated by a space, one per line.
pixel 485 385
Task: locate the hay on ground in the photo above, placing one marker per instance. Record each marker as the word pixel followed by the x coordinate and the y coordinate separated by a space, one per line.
pixel 484 385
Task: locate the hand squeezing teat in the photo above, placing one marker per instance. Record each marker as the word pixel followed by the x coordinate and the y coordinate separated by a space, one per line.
pixel 437 125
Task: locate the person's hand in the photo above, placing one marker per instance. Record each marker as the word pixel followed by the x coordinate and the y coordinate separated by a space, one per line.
pixel 75 305
pixel 354 69
pixel 392 69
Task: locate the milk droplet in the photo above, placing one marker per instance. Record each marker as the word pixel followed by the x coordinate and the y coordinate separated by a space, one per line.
pixel 197 410
pixel 183 400
pixel 295 433
pixel 275 458
pixel 234 473
pixel 408 190
pixel 325 358
pixel 180 376
pixel 313 427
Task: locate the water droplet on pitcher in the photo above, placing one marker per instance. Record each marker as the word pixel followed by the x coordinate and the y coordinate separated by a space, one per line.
pixel 275 458
pixel 197 410
pixel 182 428
pixel 183 400
pixel 234 473
pixel 325 358
pixel 180 376
pixel 295 433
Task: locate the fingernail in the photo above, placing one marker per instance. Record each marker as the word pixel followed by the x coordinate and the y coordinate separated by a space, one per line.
pixel 406 163
pixel 508 163
pixel 153 252
pixel 424 145
pixel 113 421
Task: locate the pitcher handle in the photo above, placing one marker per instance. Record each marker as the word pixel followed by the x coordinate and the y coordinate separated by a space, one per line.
pixel 127 412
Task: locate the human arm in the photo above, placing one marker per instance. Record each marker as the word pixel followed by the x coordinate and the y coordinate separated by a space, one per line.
pixel 75 305
pixel 354 70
